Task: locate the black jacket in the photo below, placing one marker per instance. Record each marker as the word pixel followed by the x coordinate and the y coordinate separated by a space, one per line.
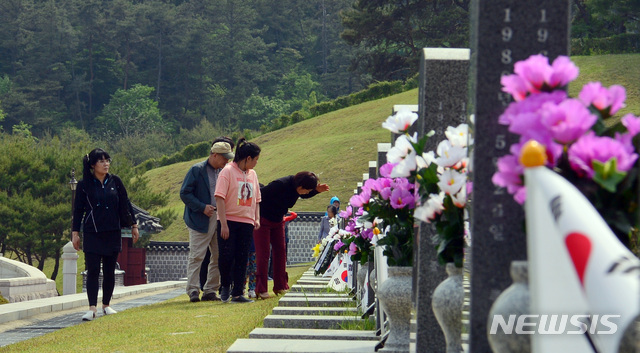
pixel 278 197
pixel 102 207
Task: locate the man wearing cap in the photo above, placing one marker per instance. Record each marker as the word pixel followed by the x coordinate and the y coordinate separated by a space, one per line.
pixel 197 193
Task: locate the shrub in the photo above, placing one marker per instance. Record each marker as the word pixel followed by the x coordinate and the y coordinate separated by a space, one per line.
pixel 617 44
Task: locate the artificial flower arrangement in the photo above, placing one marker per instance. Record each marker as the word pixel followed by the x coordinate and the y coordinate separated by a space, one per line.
pixel 332 244
pixel 598 157
pixel 441 179
pixel 434 182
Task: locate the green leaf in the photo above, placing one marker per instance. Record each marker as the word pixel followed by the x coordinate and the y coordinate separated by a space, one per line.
pixel 607 175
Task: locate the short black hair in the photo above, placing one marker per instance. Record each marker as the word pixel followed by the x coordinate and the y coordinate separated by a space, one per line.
pixel 306 180
pixel 333 209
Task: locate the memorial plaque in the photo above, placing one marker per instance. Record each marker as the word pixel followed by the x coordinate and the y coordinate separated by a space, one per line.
pixel 502 33
pixel 443 94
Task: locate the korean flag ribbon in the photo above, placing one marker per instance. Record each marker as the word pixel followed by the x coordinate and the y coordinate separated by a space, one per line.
pixel 578 269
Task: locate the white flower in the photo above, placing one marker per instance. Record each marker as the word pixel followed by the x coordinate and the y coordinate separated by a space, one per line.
pixel 401 148
pixel 405 167
pixel 425 160
pixel 449 155
pixel 459 135
pixel 460 199
pixel 451 181
pixel 433 206
pixel 400 121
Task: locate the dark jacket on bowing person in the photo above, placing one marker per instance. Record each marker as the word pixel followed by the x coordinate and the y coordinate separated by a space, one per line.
pixel 278 197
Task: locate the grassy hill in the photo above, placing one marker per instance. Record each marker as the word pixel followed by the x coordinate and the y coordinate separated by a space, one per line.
pixel 337 146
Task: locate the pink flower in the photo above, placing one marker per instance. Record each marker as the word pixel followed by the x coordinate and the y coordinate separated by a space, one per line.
pixel 367 234
pixel 591 148
pixel 386 169
pixel 361 199
pixel 603 99
pixel 338 245
pixel 353 249
pixel 632 123
pixel 568 120
pixel 534 71
pixel 346 213
pixel 515 86
pixel 563 71
pixel 509 174
pixel 519 113
pixel 401 198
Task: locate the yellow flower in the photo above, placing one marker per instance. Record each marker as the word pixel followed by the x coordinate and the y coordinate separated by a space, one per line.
pixel 316 250
pixel 376 231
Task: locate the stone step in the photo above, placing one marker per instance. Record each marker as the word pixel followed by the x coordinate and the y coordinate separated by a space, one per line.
pixel 308 334
pixel 308 321
pixel 292 310
pixel 316 302
pixel 247 345
pixel 312 281
pixel 306 288
pixel 319 295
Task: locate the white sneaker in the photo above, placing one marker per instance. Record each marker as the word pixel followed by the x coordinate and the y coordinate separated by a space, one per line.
pixel 252 294
pixel 90 315
pixel 109 311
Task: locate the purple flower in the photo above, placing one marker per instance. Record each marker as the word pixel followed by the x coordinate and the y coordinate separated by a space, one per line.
pixel 361 199
pixel 338 245
pixel 351 226
pixel 533 71
pixel 568 120
pixel 386 193
pixel 386 169
pixel 353 249
pixel 563 71
pixel 367 234
pixel 509 174
pixel 401 197
pixel 599 148
pixel 515 86
pixel 603 99
pixel 520 112
pixel 360 212
pixel 632 123
pixel 346 213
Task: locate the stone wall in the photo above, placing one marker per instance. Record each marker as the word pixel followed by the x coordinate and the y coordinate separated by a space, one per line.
pixel 167 261
pixel 303 236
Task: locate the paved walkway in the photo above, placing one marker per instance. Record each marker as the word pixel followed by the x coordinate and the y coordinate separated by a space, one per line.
pixel 22 321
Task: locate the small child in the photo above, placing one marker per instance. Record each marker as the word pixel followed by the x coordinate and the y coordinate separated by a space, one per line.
pixel 327 222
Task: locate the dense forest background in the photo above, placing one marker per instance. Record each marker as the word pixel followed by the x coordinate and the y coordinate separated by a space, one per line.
pixel 145 78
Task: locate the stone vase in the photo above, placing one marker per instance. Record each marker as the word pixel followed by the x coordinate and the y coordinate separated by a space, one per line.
pixel 447 302
pixel 362 276
pixel 395 298
pixel 515 300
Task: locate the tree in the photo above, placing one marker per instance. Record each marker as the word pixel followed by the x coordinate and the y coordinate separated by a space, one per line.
pixel 131 112
pixel 391 34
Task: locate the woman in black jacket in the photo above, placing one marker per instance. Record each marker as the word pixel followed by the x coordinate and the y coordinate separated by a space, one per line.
pixel 101 208
pixel 277 197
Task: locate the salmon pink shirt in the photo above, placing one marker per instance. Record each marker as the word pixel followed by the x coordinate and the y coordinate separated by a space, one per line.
pixel 240 191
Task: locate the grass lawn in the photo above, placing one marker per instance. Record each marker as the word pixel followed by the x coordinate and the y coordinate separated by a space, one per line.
pixel 337 146
pixel 172 326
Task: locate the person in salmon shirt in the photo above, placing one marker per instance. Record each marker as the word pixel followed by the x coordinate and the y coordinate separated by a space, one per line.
pixel 238 199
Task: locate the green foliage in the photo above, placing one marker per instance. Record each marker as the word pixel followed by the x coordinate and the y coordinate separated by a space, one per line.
pixel 132 113
pixel 616 44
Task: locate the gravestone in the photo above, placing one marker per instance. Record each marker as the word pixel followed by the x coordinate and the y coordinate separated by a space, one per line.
pixel 443 93
pixel 502 33
pixel 373 169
